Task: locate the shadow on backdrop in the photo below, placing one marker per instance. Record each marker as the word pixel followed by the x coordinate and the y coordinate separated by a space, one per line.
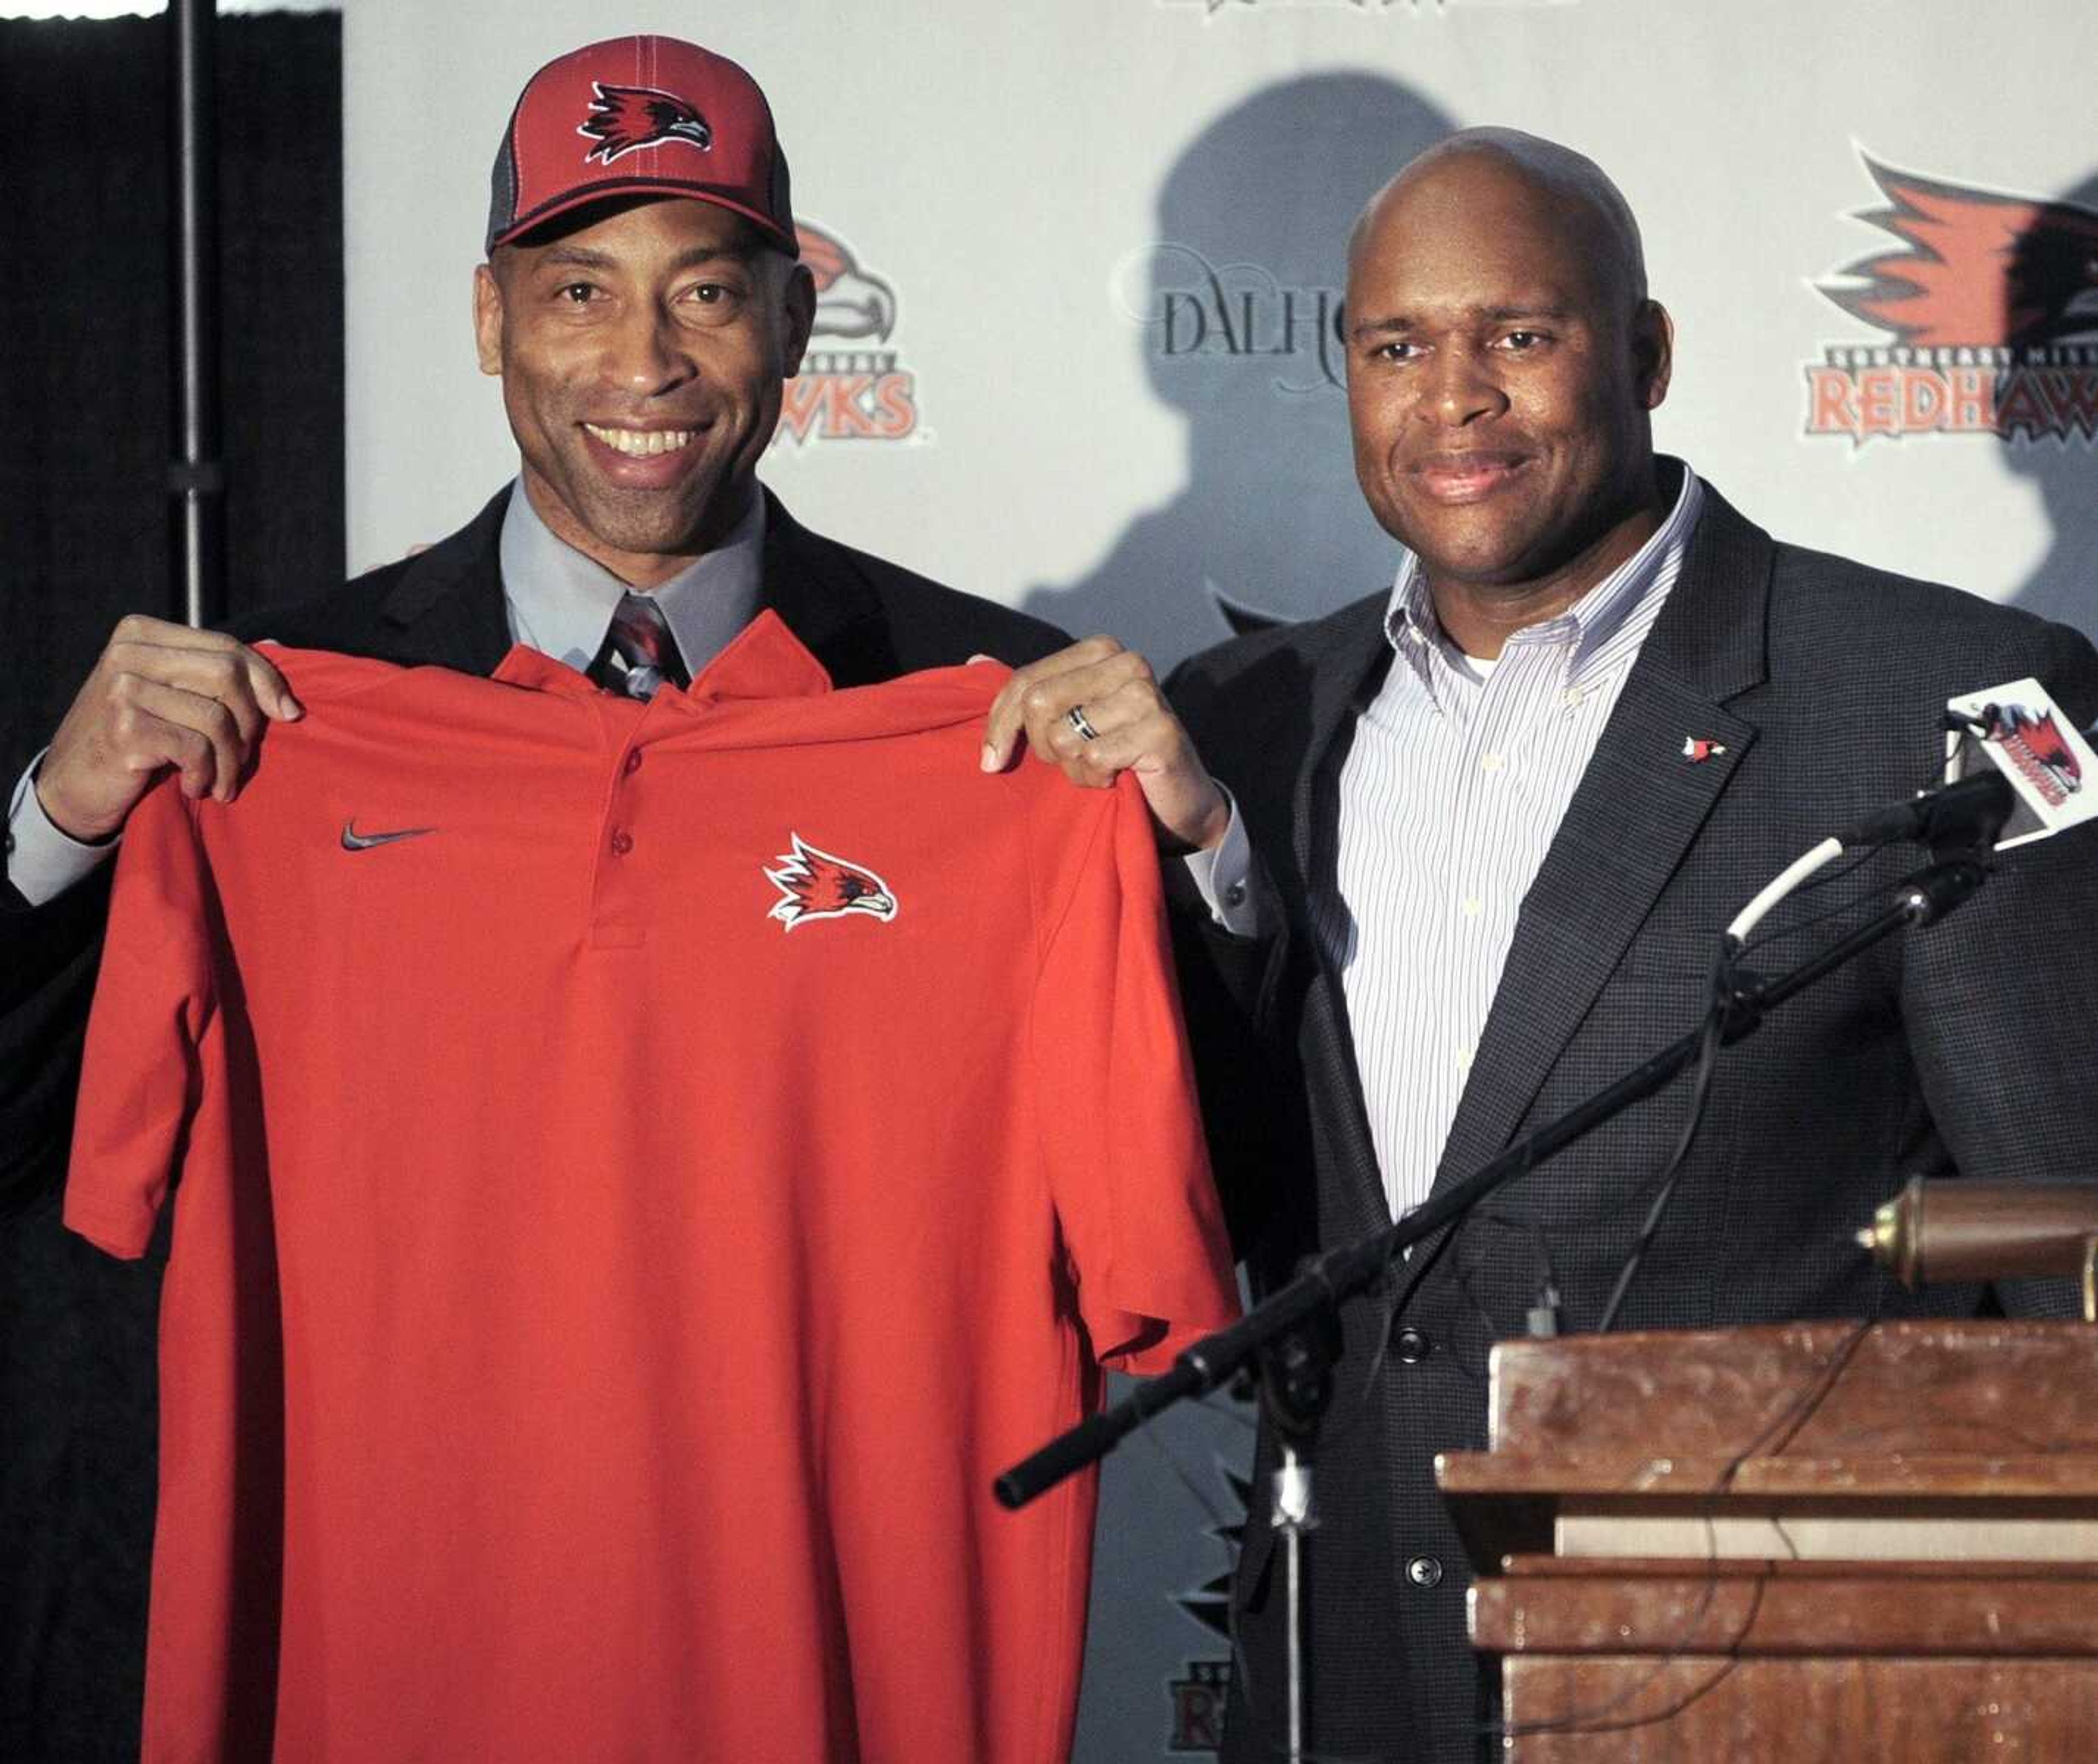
pixel 1234 305
pixel 2051 295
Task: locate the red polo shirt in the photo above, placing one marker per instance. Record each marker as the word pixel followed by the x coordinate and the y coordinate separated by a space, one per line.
pixel 643 1169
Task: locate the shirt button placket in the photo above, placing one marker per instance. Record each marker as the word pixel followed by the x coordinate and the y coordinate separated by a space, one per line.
pixel 622 842
pixel 617 909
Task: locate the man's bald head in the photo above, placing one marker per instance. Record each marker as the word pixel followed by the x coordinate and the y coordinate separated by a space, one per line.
pixel 1503 362
pixel 1577 187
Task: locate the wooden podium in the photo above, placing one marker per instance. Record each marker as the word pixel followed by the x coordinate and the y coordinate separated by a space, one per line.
pixel 1820 1543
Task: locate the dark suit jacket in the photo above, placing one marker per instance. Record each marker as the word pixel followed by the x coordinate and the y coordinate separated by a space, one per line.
pixel 865 619
pixel 1963 1046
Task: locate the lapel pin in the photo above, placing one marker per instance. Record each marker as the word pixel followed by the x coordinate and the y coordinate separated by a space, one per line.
pixel 1697 750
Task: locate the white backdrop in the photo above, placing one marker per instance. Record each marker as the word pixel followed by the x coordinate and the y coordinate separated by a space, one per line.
pixel 1110 230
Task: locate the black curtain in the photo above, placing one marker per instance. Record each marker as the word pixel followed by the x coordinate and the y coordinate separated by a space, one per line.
pixel 84 353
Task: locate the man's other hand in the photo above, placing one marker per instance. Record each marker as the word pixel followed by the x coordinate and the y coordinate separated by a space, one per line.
pixel 159 696
pixel 1132 729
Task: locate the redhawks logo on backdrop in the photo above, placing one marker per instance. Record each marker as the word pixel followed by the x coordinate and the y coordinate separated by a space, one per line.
pixel 624 117
pixel 1989 305
pixel 866 393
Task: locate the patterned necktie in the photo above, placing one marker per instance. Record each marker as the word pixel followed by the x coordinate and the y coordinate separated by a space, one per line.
pixel 639 653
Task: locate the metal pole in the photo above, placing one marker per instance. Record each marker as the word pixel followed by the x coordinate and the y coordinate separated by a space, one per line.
pixel 196 478
pixel 1293 1518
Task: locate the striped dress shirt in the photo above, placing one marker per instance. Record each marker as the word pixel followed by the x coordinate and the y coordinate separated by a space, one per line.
pixel 1459 776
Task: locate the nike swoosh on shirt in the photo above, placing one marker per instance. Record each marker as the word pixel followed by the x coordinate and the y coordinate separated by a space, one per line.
pixel 353 841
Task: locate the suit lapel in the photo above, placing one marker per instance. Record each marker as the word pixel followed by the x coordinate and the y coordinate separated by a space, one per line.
pixel 826 603
pixel 446 611
pixel 1639 807
pixel 1348 654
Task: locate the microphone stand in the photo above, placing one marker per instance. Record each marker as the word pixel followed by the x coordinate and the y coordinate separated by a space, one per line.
pixel 1293 1337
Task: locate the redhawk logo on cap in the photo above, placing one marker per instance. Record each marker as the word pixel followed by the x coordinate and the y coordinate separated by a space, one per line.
pixel 624 117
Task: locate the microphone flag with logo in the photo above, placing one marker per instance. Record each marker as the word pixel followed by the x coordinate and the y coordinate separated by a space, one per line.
pixel 2018 730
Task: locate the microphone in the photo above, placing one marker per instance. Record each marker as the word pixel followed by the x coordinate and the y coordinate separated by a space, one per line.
pixel 1964 815
pixel 1969 812
pixel 2016 769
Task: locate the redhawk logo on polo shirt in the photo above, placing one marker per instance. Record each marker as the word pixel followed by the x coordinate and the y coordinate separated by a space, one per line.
pixel 1990 303
pixel 815 884
pixel 624 117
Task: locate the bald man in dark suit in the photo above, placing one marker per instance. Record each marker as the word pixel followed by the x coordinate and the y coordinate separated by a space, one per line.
pixel 1484 830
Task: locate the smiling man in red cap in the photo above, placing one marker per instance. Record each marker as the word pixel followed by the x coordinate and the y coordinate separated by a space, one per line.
pixel 643 301
pixel 641 341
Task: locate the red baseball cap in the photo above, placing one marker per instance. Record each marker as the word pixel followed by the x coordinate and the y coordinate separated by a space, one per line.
pixel 640 116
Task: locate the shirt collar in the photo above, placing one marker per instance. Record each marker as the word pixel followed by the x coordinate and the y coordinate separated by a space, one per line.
pixel 560 603
pixel 764 660
pixel 1635 587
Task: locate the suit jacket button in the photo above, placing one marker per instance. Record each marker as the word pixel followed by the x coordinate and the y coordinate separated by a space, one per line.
pixel 1423 1571
pixel 1410 1345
